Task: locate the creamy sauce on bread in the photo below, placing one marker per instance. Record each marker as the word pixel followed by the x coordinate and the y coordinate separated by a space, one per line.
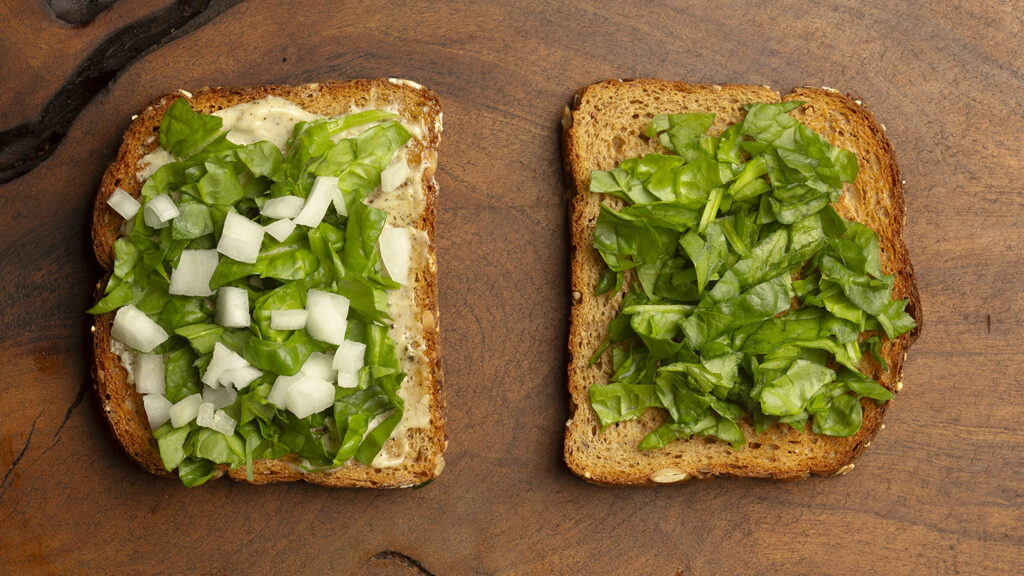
pixel 150 163
pixel 273 119
pixel 269 118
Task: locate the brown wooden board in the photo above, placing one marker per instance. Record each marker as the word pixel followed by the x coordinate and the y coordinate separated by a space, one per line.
pixel 940 490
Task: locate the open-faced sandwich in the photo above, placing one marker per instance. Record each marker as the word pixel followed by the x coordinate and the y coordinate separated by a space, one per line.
pixel 742 298
pixel 270 311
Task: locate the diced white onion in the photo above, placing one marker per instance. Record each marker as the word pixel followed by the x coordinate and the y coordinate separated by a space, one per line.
pixel 346 380
pixel 280 230
pixel 339 203
pixel 204 416
pixel 233 307
pixel 158 409
pixel 135 329
pixel 192 276
pixel 318 366
pixel 223 423
pixel 395 249
pixel 394 175
pixel 320 197
pixel 283 207
pixel 288 319
pixel 124 204
pixel 159 211
pixel 219 397
pixel 241 238
pixel 278 395
pixel 208 417
pixel 328 313
pixel 239 377
pixel 223 359
pixel 349 357
pixel 185 410
pixel 309 396
pixel 150 373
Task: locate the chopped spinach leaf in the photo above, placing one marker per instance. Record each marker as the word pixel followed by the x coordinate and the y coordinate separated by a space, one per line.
pixel 749 288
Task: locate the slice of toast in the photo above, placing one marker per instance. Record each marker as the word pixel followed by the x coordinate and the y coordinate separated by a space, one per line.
pixel 123 406
pixel 604 126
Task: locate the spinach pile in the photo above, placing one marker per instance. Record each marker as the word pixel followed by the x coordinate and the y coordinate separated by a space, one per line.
pixel 211 177
pixel 752 296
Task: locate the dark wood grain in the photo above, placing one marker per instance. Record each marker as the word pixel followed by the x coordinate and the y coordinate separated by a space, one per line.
pixel 40 51
pixel 940 491
pixel 32 140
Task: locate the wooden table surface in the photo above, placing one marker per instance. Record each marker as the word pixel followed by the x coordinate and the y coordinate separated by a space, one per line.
pixel 940 490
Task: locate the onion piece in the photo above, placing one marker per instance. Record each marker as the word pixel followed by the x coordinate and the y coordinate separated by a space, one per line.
pixel 219 397
pixel 208 417
pixel 288 319
pixel 394 175
pixel 339 203
pixel 193 274
pixel 278 395
pixel 135 329
pixel 239 377
pixel 349 357
pixel 123 203
pixel 283 207
pixel 395 250
pixel 280 230
pixel 150 373
pixel 328 313
pixel 309 395
pixel 204 415
pixel 346 380
pixel 158 409
pixel 223 423
pixel 320 197
pixel 159 211
pixel 185 410
pixel 318 365
pixel 232 307
pixel 241 238
pixel 223 359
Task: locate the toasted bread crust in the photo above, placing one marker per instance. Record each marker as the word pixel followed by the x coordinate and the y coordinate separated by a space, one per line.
pixel 603 127
pixel 123 405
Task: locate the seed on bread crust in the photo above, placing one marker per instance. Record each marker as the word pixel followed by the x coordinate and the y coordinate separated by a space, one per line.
pixel 670 475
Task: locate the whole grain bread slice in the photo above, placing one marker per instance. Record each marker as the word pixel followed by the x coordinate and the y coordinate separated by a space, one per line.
pixel 605 125
pixel 123 406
